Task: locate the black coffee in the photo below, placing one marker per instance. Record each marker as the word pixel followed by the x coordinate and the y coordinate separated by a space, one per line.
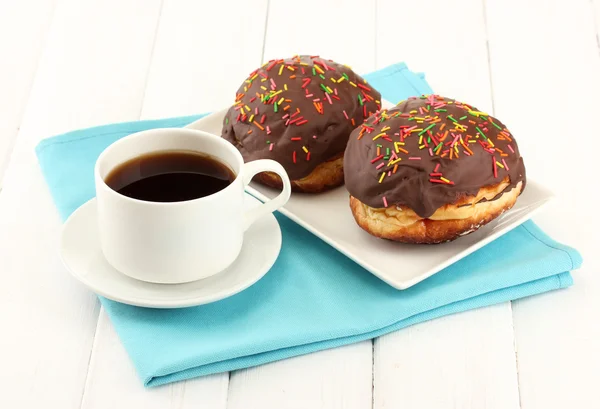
pixel 170 176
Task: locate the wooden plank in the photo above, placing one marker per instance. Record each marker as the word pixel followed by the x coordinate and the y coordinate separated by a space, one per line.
pixel 87 75
pixel 339 30
pixel 465 360
pixel 448 45
pixel 114 383
pixel 23 29
pixel 339 377
pixel 556 334
pixel 460 361
pixel 189 73
pixel 336 378
pixel 202 57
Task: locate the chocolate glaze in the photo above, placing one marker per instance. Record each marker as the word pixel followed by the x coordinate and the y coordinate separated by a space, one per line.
pixel 411 183
pixel 313 135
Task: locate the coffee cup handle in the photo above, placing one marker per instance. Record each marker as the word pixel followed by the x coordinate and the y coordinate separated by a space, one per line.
pixel 266 165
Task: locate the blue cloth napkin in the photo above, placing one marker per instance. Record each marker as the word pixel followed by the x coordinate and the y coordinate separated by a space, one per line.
pixel 313 298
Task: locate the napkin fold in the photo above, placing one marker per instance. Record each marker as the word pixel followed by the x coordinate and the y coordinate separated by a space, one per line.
pixel 314 297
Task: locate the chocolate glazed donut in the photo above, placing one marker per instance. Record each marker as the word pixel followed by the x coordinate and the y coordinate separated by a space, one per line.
pixel 300 113
pixel 430 170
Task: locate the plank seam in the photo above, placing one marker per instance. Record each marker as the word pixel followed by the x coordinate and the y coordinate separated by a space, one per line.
pixel 227 393
pixel 596 27
pixel 376 18
pixel 156 28
pixel 490 76
pixel 9 151
pixel 94 343
pixel 372 373
pixel 92 349
pixel 489 57
pixel 512 321
pixel 262 55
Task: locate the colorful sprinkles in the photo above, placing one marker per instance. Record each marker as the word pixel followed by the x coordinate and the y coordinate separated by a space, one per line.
pixel 432 132
pixel 292 91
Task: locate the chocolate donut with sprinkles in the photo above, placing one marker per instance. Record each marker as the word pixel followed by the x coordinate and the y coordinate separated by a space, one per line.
pixel 300 112
pixel 430 170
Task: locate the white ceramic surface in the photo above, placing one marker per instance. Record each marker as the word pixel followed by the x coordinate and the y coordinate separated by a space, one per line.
pixel 80 252
pixel 328 216
pixel 178 242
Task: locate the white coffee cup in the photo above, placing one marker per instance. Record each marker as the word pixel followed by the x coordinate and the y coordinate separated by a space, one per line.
pixel 184 241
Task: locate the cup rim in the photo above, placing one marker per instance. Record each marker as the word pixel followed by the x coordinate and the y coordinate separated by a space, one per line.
pixel 140 134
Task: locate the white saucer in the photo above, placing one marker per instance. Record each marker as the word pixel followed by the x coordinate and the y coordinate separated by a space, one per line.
pixel 80 252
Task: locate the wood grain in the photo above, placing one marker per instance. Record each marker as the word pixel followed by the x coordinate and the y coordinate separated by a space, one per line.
pixel 70 64
pixel 467 360
pixel 596 10
pixel 337 378
pixel 200 57
pixel 51 317
pixel 345 31
pixel 114 383
pixel 556 334
pixel 23 29
pixel 452 56
pixel 459 361
pixel 189 73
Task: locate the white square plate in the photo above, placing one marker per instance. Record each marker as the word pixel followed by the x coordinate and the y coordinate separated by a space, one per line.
pixel 328 216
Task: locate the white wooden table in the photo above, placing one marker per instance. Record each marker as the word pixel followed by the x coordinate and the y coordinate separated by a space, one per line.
pixel 67 64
